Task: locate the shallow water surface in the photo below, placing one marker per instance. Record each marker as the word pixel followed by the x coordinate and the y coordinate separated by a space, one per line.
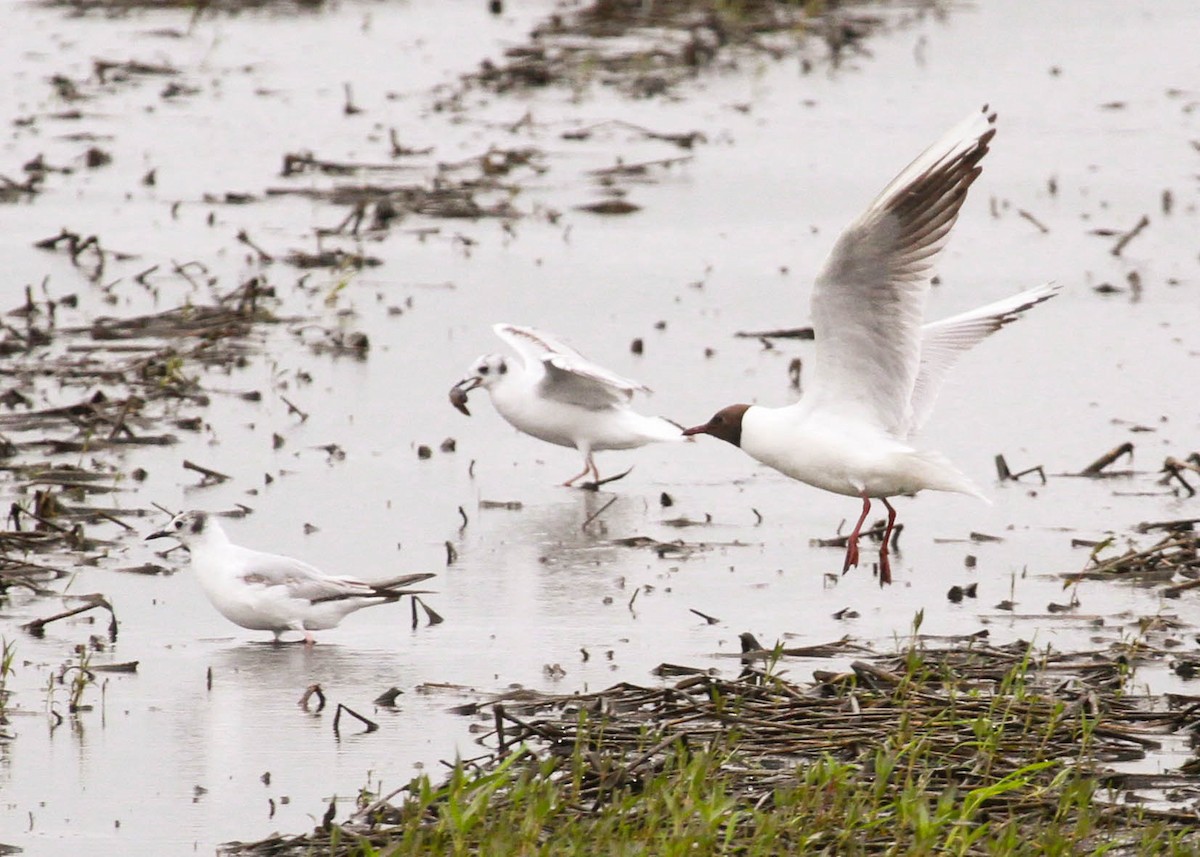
pixel 164 763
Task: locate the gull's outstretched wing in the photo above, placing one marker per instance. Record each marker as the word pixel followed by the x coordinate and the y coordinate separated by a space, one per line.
pixel 869 298
pixel 569 376
pixel 943 342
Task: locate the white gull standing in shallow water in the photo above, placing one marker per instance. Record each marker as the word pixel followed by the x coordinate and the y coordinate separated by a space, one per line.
pixel 878 369
pixel 557 395
pixel 268 592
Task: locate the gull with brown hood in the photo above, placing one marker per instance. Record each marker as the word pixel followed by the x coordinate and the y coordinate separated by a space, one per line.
pixel 877 369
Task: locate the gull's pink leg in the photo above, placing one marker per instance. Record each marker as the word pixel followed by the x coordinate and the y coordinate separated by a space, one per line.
pixel 589 466
pixel 885 567
pixel 586 467
pixel 852 542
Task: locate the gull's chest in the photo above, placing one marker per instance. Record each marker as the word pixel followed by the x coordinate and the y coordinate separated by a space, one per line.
pixel 550 420
pixel 824 453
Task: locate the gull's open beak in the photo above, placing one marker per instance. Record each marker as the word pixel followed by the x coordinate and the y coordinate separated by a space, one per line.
pixel 458 393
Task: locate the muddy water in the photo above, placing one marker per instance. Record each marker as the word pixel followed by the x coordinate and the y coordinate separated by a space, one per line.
pixel 1098 104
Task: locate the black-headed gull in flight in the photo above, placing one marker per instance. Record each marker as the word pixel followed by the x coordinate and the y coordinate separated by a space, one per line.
pixel 877 369
pixel 557 395
pixel 268 592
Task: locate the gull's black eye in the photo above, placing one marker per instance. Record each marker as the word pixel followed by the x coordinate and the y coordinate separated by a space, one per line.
pixel 483 370
pixel 179 525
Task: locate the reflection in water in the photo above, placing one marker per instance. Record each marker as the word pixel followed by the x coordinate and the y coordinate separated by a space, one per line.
pixel 571 559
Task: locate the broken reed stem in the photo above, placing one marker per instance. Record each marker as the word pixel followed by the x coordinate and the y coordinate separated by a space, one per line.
pixel 263 256
pixel 309 692
pixel 1130 235
pixel 1095 468
pixel 1043 228
pixel 204 471
pixel 133 403
pixel 292 409
pixel 1176 591
pixel 38 626
pixel 371 725
pixel 595 486
pixel 431 615
pixel 1174 470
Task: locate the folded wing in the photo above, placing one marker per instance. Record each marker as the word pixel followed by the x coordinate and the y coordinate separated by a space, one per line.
pixel 568 376
pixel 299 579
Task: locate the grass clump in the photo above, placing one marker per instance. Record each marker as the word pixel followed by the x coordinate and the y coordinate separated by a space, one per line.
pixel 965 751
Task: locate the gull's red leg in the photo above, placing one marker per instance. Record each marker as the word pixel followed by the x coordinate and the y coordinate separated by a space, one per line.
pixel 885 567
pixel 852 542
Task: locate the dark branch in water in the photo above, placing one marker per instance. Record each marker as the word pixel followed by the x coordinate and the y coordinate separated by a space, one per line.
pixel 1130 235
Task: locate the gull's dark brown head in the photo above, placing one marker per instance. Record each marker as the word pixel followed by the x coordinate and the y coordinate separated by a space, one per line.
pixel 725 424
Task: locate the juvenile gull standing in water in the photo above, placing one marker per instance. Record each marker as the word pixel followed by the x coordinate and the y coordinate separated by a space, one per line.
pixel 268 592
pixel 557 395
pixel 878 369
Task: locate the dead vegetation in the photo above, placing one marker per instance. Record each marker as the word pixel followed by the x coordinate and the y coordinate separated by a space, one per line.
pixel 647 49
pixel 1014 738
pixel 1173 561
pixel 76 399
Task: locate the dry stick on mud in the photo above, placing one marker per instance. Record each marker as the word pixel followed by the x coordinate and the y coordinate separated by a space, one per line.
pixel 1097 466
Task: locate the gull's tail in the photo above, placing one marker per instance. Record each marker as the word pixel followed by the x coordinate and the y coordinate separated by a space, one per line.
pixel 936 473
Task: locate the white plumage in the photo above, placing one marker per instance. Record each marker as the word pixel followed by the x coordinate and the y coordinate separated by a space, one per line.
pixel 269 592
pixel 554 393
pixel 878 370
